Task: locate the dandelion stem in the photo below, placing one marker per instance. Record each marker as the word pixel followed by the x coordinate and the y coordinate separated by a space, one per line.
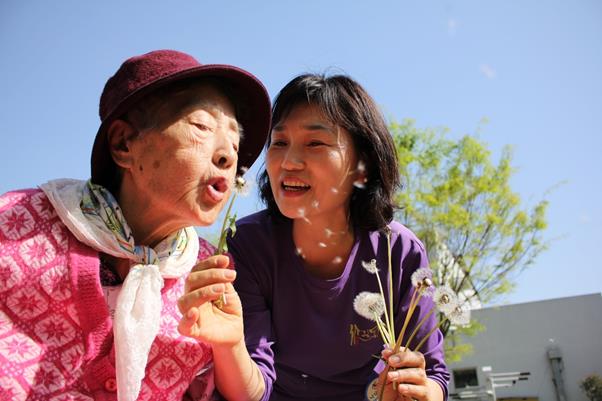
pixel 382 330
pixel 391 334
pixel 392 328
pixel 415 331
pixel 428 335
pixel 223 232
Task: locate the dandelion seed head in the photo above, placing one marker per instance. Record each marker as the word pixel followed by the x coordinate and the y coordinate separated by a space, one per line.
pixel 369 305
pixel 445 298
pixel 422 278
pixel 370 266
pixel 459 316
pixel 241 186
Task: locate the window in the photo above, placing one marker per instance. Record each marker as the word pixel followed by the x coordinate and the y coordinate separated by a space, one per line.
pixel 465 378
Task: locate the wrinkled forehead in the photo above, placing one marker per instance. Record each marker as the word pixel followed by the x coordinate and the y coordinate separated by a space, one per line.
pixel 175 103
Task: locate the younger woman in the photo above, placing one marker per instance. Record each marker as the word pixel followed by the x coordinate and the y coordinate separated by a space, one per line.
pixel 329 186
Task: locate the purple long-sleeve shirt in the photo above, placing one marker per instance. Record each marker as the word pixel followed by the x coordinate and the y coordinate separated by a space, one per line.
pixel 302 331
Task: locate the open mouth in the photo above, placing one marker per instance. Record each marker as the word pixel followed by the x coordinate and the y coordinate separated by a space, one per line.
pixel 219 184
pixel 292 185
pixel 216 188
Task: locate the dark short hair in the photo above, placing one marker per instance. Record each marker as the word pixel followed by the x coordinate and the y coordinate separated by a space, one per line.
pixel 347 104
pixel 163 107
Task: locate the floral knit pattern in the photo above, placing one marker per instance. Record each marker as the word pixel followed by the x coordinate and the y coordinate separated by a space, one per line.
pixel 56 339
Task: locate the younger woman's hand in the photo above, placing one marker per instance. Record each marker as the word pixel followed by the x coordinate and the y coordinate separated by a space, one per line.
pixel 409 375
pixel 204 316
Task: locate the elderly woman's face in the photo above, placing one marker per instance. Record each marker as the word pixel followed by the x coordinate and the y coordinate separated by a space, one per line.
pixel 185 171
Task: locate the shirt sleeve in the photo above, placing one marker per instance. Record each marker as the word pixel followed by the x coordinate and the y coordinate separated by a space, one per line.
pixel 412 257
pixel 253 288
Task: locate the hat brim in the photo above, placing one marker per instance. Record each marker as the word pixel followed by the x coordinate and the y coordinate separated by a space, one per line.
pixel 247 89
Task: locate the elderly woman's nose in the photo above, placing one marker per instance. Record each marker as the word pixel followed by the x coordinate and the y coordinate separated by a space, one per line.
pixel 224 155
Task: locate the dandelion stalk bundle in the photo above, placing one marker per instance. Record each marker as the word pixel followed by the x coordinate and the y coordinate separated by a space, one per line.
pixel 373 305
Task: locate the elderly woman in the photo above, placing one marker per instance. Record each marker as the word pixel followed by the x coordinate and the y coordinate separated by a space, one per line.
pixel 90 272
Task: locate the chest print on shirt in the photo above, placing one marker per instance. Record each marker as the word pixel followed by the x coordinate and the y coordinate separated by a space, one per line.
pixel 358 335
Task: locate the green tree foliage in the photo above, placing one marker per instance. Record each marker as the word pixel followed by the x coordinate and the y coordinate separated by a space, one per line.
pixel 592 387
pixel 460 204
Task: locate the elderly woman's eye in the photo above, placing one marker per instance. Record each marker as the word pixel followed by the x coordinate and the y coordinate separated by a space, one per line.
pixel 201 126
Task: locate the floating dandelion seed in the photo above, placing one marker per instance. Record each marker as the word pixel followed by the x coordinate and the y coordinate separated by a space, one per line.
pixel 299 251
pixel 445 298
pixel 321 245
pixel 334 190
pixel 315 204
pixel 328 232
pixel 370 266
pixel 302 214
pixel 337 260
pixel 359 183
pixel 369 305
pixel 361 166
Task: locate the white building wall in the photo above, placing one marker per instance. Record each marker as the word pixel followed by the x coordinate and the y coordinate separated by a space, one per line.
pixel 516 338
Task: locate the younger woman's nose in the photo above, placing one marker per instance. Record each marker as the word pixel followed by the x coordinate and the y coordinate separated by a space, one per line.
pixel 292 160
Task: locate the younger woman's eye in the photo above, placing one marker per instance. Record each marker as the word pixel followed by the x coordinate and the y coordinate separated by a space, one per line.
pixel 315 143
pixel 277 143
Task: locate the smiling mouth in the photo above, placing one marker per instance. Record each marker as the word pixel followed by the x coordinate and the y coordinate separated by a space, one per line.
pixel 294 186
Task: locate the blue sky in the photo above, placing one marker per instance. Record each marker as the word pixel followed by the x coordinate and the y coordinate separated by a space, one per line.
pixel 531 68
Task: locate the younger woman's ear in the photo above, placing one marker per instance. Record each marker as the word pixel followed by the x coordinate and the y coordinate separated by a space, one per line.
pixel 119 136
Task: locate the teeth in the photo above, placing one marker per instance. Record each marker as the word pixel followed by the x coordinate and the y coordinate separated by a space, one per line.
pixel 295 184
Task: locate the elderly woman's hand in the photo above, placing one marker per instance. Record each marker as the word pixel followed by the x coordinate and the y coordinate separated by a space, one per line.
pixel 201 317
pixel 409 374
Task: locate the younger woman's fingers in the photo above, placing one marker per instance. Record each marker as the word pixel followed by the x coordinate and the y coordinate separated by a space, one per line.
pixel 413 392
pixel 404 359
pixel 407 375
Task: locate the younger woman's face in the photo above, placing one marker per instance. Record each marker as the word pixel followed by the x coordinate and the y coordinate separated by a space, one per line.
pixel 312 165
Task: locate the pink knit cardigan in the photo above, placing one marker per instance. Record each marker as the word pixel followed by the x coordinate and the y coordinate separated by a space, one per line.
pixel 56 338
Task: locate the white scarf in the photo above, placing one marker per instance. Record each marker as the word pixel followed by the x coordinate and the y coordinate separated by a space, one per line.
pixel 92 215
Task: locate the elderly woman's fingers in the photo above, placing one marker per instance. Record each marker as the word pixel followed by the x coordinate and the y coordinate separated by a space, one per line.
pixel 186 326
pixel 204 278
pixel 212 262
pixel 199 296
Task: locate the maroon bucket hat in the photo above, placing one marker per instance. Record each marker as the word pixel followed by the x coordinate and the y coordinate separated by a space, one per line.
pixel 141 75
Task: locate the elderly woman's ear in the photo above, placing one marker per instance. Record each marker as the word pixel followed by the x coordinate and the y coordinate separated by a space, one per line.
pixel 119 136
